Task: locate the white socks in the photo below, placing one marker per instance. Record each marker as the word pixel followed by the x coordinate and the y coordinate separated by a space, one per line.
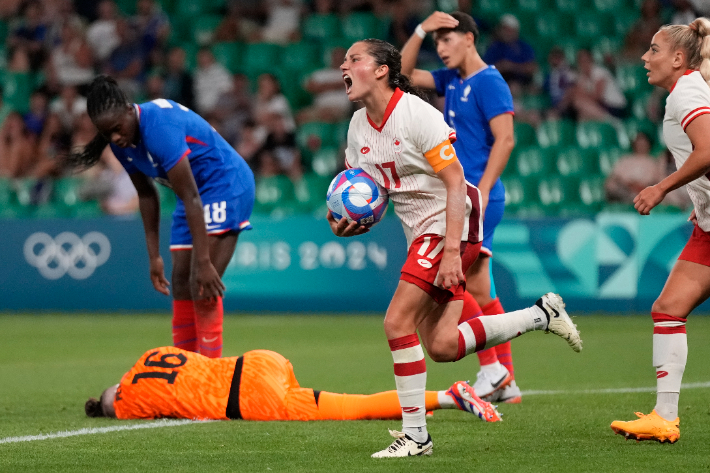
pixel 491 330
pixel 410 378
pixel 670 352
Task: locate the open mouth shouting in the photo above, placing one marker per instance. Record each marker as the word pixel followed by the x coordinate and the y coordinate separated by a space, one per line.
pixel 348 83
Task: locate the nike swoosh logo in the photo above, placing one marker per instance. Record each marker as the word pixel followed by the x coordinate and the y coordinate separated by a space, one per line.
pixel 209 340
pixel 557 314
pixel 211 227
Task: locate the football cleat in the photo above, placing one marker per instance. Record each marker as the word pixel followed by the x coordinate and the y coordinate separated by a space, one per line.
pixel 405 446
pixel 558 322
pixel 487 383
pixel 510 394
pixel 649 427
pixel 465 398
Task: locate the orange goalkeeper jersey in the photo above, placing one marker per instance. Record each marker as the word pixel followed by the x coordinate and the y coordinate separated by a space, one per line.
pixel 169 382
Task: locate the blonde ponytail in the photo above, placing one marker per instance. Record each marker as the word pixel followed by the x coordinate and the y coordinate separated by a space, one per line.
pixel 702 27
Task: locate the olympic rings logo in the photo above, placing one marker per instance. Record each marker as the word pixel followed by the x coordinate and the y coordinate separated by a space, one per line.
pixel 67 254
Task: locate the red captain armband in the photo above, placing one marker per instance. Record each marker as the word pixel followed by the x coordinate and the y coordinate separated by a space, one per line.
pixel 442 155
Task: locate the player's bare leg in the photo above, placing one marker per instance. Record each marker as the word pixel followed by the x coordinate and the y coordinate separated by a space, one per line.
pixel 688 285
pixel 496 377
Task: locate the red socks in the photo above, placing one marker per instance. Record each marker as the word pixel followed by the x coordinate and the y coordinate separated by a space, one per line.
pixel 503 352
pixel 209 315
pixel 184 334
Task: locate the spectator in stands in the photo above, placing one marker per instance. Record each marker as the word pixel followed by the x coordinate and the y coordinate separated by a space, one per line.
pixel 403 22
pixel 68 107
pixel 230 27
pixel 683 12
pixel 17 147
pixel 102 34
pixel 330 104
pixel 9 8
pixel 633 173
pixel 71 59
pixel 110 184
pixel 212 80
pixel 250 142
pixel 280 155
pixel 513 57
pixel 234 108
pixel 53 142
pixel 153 29
pixel 283 22
pixel 559 79
pixel 596 94
pixel 154 87
pixel 5 109
pixel 31 34
pixel 179 85
pixel 58 13
pixel 34 119
pixel 641 32
pixel 270 103
pixel 127 61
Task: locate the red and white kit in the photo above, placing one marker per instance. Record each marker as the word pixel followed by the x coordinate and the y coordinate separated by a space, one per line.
pixel 689 99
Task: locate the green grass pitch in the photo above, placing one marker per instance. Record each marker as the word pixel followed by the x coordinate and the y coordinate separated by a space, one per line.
pixel 49 365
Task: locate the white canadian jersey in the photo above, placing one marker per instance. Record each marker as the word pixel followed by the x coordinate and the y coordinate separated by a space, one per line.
pixel 403 155
pixel 689 98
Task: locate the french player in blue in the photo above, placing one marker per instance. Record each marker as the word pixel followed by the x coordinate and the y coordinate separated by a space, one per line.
pixel 479 106
pixel 166 142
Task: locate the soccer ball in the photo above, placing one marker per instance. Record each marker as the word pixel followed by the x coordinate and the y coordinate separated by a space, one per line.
pixel 355 195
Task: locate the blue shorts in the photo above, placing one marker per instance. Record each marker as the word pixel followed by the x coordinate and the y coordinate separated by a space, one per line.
pixel 222 214
pixel 493 216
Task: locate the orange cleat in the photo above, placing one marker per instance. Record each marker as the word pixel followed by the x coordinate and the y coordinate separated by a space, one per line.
pixel 649 427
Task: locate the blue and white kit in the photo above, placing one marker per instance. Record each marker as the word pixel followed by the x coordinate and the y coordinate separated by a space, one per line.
pixel 170 132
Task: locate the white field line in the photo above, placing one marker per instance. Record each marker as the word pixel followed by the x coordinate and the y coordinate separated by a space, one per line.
pixel 174 422
pixel 101 430
pixel 705 384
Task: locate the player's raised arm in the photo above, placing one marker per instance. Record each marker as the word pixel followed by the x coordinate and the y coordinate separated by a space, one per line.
pixel 420 77
pixel 149 205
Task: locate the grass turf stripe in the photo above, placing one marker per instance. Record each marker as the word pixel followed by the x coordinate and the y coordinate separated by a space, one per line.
pixel 101 430
pixel 705 384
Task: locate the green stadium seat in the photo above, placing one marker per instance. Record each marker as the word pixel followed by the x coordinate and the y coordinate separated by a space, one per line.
pixel 127 7
pixel 632 78
pixel 611 6
pixel 314 136
pixel 6 193
pixel 23 191
pixel 519 192
pixel 632 127
pixel 591 191
pixel 17 88
pixel 90 209
pixel 555 192
pixel 360 25
pixel 606 47
pixel 608 158
pixel 203 28
pixel 311 190
pixel 185 9
pixel 572 6
pixel 327 161
pixel 524 134
pixel 300 58
pixel 271 192
pixel 592 25
pixel 596 134
pixel 65 191
pixel 552 24
pixel 575 161
pixel 556 133
pixel 532 6
pixel 321 27
pixel 262 57
pixel 49 211
pixel 168 200
pixel 623 20
pixel 534 161
pixel 535 102
pixel 230 55
pixel 491 10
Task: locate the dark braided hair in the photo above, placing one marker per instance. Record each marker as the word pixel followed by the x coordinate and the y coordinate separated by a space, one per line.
pixel 385 54
pixel 93 408
pixel 104 96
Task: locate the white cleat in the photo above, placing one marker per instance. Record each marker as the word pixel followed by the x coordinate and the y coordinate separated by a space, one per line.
pixel 558 322
pixel 404 446
pixel 510 394
pixel 487 383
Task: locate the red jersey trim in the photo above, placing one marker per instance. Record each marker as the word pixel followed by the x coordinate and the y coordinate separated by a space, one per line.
pixel 388 111
pixel 693 115
pixel 687 72
pixel 452 137
pixel 184 155
pixel 190 139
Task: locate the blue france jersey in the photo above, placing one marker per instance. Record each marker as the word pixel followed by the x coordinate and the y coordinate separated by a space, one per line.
pixel 470 105
pixel 170 132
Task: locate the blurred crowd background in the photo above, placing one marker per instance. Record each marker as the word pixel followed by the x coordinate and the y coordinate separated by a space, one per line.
pixel 265 74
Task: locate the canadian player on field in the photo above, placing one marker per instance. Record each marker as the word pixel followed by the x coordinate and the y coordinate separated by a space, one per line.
pixel 406 146
pixel 259 385
pixel 678 60
pixel 479 106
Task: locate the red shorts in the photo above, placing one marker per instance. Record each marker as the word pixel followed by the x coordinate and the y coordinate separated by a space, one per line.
pixel 697 250
pixel 422 266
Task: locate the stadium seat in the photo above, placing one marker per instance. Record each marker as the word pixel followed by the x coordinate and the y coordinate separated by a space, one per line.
pixel 229 55
pixel 262 57
pixel 606 47
pixel 556 133
pixel 572 6
pixel 555 192
pixel 607 158
pixel 532 6
pixel 300 58
pixel 491 10
pixel 17 88
pixel 168 200
pixel 611 6
pixel 90 209
pixel 65 192
pixel 632 78
pixel 632 127
pixel 623 20
pixel 272 191
pixel 203 28
pixel 552 24
pixel 519 192
pixel 360 25
pixel 6 192
pixel 534 161
pixel 321 27
pixel 327 161
pixel 592 25
pixel 311 190
pixel 574 161
pixel 596 134
pixel 524 134
pixel 314 136
pixel 591 191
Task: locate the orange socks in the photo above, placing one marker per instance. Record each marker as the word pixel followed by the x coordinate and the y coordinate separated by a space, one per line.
pixel 384 405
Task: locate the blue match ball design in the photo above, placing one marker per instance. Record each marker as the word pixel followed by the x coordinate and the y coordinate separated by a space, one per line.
pixel 355 195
